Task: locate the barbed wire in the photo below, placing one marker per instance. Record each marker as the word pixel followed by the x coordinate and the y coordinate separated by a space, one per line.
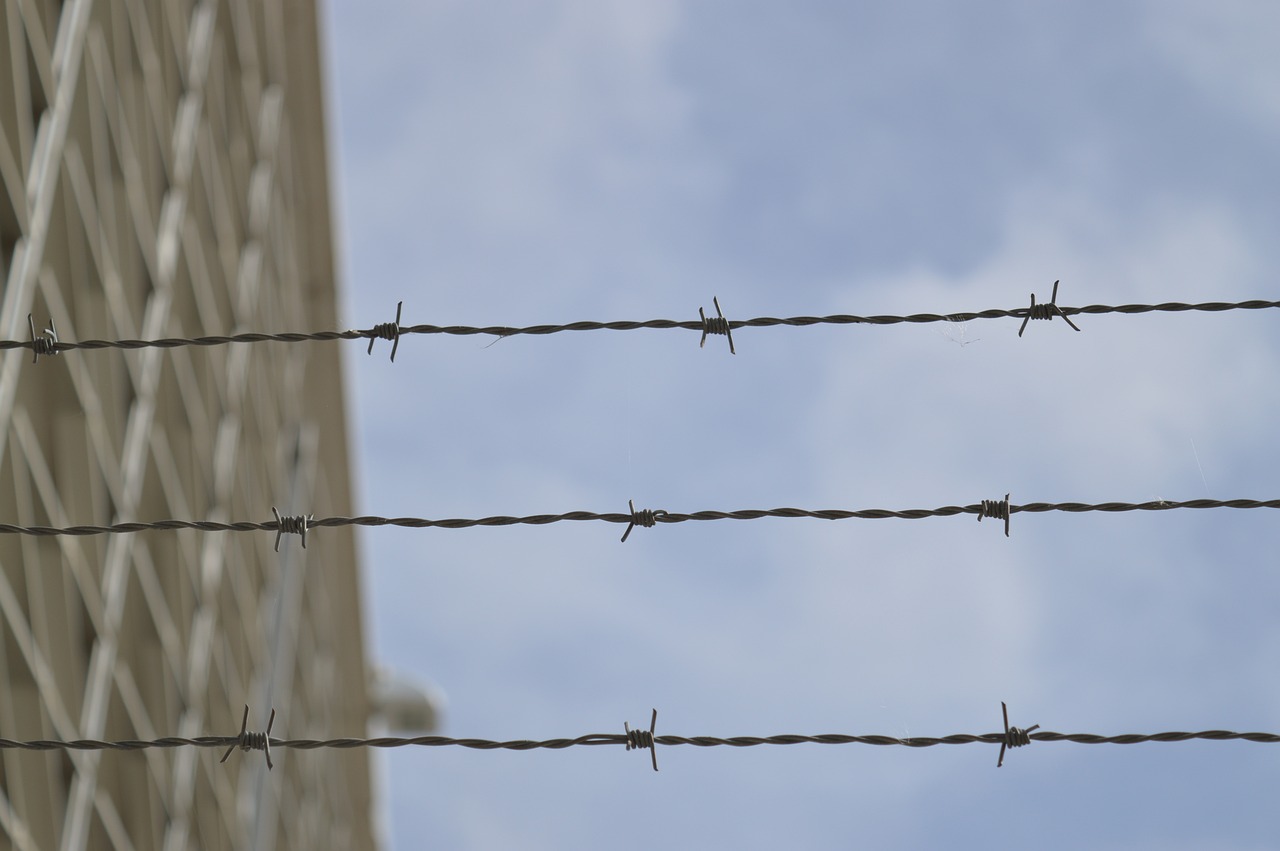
pixel 621 739
pixel 300 524
pixel 1012 737
pixel 50 344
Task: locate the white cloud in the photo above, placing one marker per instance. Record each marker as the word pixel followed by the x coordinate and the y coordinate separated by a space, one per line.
pixel 1225 49
pixel 558 165
pixel 513 133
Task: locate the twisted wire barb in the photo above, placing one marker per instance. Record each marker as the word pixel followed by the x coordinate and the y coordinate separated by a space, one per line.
pixel 295 524
pixel 46 345
pixel 646 518
pixel 1045 310
pixel 643 739
pixel 659 517
pixel 716 325
pixel 997 509
pixel 1014 737
pixel 248 741
pixel 387 331
pixel 383 330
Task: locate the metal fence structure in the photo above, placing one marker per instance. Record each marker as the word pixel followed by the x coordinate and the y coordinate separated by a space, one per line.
pixel 163 171
pixel 165 194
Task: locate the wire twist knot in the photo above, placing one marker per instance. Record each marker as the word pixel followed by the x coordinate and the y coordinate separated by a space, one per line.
pixel 295 524
pixel 643 739
pixel 715 325
pixel 1014 737
pixel 646 518
pixel 247 741
pixel 387 331
pixel 997 509
pixel 1045 310
pixel 46 345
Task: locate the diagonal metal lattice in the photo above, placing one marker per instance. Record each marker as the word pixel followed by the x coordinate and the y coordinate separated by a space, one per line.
pixel 163 174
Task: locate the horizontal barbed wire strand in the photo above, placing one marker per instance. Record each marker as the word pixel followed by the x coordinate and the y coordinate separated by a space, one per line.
pixel 691 325
pixel 594 739
pixel 620 517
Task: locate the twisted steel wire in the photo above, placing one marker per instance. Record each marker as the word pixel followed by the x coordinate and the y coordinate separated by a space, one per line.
pixel 383 331
pixel 285 523
pixel 594 739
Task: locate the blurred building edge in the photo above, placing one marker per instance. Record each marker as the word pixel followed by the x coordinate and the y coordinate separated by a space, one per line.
pixel 404 705
pixel 164 173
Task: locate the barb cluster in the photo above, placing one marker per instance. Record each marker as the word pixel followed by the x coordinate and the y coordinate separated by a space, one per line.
pixel 247 741
pixel 716 325
pixel 292 525
pixel 46 345
pixel 646 518
pixel 387 331
pixel 997 509
pixel 1046 310
pixel 643 739
pixel 1014 737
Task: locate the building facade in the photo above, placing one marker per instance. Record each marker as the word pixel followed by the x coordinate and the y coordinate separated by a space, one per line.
pixel 163 173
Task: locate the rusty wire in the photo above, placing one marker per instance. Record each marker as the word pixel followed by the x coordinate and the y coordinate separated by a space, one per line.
pixel 393 331
pixel 287 524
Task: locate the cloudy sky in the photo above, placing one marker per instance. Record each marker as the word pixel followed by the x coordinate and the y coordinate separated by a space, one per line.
pixel 515 163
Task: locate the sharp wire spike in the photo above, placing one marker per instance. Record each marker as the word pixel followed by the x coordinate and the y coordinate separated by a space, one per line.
pixel 641 739
pixel 46 345
pixel 997 509
pixel 247 741
pixel 646 518
pixel 292 524
pixel 1013 736
pixel 1045 310
pixel 715 325
pixel 388 331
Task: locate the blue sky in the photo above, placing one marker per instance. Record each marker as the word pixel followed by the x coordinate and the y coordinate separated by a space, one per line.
pixel 514 163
